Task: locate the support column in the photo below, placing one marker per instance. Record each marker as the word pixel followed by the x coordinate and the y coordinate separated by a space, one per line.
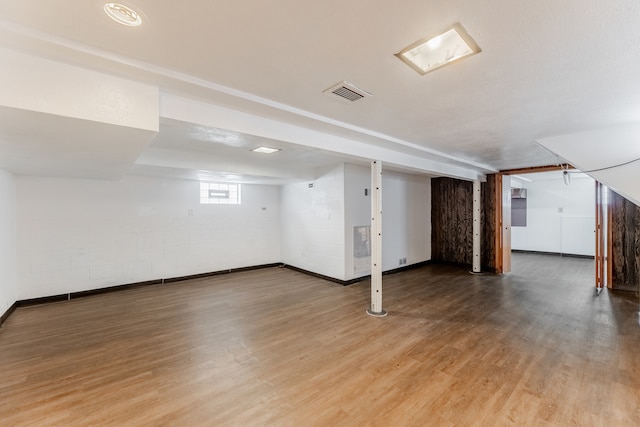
pixel 376 241
pixel 477 205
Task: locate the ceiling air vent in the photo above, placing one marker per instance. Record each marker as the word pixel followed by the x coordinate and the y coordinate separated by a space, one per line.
pixel 348 91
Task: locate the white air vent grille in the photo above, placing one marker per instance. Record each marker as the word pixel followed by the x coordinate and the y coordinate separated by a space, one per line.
pixel 347 91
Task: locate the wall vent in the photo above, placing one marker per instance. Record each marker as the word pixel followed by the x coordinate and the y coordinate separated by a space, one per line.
pixel 347 91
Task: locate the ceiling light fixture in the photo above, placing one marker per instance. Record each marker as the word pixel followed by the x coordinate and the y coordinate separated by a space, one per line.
pixel 434 52
pixel 123 14
pixel 265 150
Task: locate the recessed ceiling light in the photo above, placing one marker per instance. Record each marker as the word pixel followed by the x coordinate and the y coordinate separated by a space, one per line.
pixel 432 53
pixel 123 14
pixel 265 150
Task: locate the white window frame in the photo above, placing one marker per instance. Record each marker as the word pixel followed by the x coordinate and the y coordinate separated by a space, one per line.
pixel 220 193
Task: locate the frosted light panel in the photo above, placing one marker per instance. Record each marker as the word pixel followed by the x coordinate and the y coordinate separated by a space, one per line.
pixel 453 44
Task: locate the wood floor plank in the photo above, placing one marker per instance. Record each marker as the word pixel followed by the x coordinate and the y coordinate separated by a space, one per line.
pixel 275 347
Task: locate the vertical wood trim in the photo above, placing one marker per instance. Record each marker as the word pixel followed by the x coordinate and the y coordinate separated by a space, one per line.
pixel 506 223
pixel 599 276
pixel 609 235
pixel 497 222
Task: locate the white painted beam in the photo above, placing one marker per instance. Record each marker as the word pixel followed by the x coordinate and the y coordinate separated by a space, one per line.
pixel 192 111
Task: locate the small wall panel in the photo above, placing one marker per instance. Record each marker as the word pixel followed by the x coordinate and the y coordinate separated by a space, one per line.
pixel 625 234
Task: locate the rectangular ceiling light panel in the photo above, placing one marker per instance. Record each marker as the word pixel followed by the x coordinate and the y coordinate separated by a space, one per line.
pixel 432 53
pixel 265 150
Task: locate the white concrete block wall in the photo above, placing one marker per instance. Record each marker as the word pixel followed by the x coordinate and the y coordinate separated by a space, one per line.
pixel 76 235
pixel 313 224
pixel 406 218
pixel 8 271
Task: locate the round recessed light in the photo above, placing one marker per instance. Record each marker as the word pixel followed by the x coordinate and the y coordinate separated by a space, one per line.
pixel 123 14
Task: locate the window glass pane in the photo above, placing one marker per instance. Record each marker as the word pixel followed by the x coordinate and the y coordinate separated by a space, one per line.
pixel 212 193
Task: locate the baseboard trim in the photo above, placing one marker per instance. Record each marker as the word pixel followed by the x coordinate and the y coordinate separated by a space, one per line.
pixel 522 251
pixel 322 276
pixel 357 279
pixel 42 300
pixel 406 267
pixel 8 313
pixel 116 288
pixel 219 272
pixel 484 268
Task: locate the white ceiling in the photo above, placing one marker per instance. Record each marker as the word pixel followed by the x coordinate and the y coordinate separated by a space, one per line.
pixel 546 68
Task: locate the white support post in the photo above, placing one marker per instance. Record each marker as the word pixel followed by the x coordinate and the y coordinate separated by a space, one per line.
pixel 476 225
pixel 376 241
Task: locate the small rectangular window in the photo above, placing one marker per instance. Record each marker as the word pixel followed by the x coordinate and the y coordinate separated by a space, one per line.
pixel 518 207
pixel 214 193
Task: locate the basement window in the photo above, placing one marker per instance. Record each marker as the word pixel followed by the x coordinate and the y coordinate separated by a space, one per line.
pixel 214 193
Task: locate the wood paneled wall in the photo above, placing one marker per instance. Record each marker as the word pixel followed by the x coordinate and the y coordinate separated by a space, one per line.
pixel 489 208
pixel 452 221
pixel 625 235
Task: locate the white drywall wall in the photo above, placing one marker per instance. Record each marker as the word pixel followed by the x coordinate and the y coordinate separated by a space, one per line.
pixel 76 235
pixel 609 155
pixel 560 218
pixel 37 84
pixel 8 273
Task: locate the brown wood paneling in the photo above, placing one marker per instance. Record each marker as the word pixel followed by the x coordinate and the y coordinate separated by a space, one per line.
pixel 451 220
pixel 489 206
pixel 625 238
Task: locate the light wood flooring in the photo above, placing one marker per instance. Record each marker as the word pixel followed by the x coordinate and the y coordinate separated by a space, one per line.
pixel 275 347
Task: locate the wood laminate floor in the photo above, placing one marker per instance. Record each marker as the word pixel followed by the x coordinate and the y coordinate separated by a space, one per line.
pixel 275 347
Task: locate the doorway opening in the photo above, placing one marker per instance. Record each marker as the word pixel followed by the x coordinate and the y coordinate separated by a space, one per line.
pixel 548 214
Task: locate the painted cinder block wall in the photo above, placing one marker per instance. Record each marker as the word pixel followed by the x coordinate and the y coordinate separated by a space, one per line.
pixel 318 220
pixel 406 218
pixel 8 271
pixel 76 235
